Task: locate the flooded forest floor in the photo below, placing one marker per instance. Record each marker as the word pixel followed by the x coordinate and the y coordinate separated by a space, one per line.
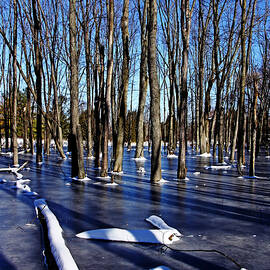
pixel 214 210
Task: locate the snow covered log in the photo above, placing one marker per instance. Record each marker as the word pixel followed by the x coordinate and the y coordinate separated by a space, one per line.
pixel 60 252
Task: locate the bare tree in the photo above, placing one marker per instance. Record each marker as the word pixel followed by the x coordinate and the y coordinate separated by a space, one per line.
pixel 38 73
pixel 123 89
pixel 110 18
pixel 143 80
pixel 75 138
pixel 154 93
pixel 15 90
pixel 186 13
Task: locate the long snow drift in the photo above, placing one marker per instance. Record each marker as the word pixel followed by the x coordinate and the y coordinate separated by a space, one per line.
pixel 133 236
pixel 61 253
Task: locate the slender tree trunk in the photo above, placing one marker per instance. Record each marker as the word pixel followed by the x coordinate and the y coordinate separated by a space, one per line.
pixel 75 132
pixel 30 122
pixel 182 110
pixel 143 84
pixel 240 148
pixel 123 90
pixel 110 16
pixel 14 101
pixel 253 129
pixel 154 94
pixel 233 145
pixel 38 72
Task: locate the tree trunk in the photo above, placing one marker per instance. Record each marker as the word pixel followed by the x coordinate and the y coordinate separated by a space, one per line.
pixel 123 89
pixel 253 129
pixel 233 145
pixel 154 93
pixel 182 110
pixel 14 101
pixel 38 72
pixel 240 148
pixel 110 16
pixel 75 135
pixel 143 84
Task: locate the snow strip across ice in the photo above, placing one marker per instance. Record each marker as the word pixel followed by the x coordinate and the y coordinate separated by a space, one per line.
pixel 133 236
pixel 218 167
pixel 61 253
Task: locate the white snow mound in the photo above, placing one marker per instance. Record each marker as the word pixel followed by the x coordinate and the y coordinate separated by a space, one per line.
pixel 172 156
pixel 160 224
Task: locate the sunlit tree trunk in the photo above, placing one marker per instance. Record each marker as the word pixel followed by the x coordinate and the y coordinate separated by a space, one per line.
pixel 143 82
pixel 186 13
pixel 14 101
pixel 154 94
pixel 110 18
pixel 123 89
pixel 253 129
pixel 240 137
pixel 75 138
pixel 38 72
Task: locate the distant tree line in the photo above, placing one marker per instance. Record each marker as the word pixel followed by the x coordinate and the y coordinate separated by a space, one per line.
pixel 171 72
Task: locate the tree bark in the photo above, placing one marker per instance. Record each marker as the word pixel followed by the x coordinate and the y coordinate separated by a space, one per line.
pixel 14 101
pixel 154 93
pixel 110 18
pixel 75 133
pixel 143 82
pixel 38 72
pixel 240 148
pixel 123 89
pixel 186 13
pixel 253 129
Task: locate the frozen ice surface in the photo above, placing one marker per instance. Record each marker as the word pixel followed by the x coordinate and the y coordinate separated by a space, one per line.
pixel 227 213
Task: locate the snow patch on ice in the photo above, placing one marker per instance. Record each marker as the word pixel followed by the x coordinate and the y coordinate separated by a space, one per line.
pixel 218 167
pixel 173 156
pixel 205 155
pixel 163 181
pixel 161 224
pixel 111 184
pixel 141 159
pixel 61 253
pixel 141 170
pixel 117 173
pixel 104 177
pixel 162 267
pixel 2 181
pixel 81 179
pixel 179 180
